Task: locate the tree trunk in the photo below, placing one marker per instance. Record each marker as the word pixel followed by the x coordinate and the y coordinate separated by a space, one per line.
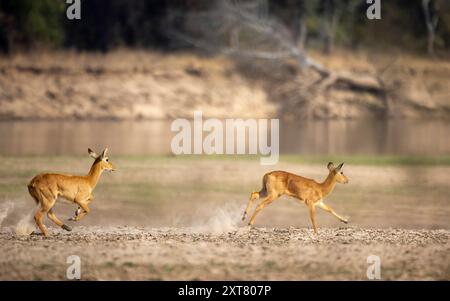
pixel 431 22
pixel 299 28
pixel 430 46
pixel 303 33
pixel 331 18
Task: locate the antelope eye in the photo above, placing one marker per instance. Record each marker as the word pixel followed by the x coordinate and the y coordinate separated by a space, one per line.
pixel 107 160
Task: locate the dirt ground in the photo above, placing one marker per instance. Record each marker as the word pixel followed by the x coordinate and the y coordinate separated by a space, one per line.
pixel 134 253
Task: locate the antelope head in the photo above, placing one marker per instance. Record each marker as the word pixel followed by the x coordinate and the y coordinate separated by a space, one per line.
pixel 102 160
pixel 337 173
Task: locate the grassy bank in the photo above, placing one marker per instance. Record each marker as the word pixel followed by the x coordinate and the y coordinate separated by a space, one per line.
pixel 371 160
pixel 383 160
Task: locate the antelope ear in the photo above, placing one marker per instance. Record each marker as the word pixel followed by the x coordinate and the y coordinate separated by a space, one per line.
pixel 104 153
pixel 340 166
pixel 92 153
pixel 330 166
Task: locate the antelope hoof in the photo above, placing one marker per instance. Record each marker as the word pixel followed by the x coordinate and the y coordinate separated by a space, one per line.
pixel 345 221
pixel 244 216
pixel 38 233
pixel 74 219
pixel 67 228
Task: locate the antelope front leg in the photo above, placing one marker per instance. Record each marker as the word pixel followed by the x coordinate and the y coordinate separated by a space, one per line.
pixel 78 211
pixel 81 211
pixel 330 210
pixel 312 215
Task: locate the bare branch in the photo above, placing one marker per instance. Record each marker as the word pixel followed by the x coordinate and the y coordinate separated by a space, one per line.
pixel 271 39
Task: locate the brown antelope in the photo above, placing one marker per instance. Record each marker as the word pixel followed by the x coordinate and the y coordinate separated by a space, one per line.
pixel 312 193
pixel 46 188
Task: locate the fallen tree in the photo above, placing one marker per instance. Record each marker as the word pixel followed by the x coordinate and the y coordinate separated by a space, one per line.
pixel 243 30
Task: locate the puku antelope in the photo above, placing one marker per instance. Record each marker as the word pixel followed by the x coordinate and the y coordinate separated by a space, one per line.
pixel 46 188
pixel 312 193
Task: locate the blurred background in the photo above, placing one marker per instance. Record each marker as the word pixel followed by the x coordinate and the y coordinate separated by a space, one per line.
pixel 372 93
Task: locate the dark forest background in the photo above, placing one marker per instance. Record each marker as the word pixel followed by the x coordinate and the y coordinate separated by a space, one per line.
pixel 415 25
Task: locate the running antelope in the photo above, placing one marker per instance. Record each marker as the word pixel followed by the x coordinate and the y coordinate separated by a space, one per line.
pixel 278 183
pixel 46 188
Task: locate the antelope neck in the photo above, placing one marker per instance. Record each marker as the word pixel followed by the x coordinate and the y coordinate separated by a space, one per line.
pixel 328 185
pixel 94 174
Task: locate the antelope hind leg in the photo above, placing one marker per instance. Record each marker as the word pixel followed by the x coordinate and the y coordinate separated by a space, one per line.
pixel 52 216
pixel 265 202
pixel 38 216
pixel 253 197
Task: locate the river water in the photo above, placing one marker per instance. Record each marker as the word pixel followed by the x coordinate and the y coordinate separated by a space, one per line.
pixel 373 137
